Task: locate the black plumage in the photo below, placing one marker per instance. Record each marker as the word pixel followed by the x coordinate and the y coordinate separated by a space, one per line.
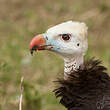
pixel 88 88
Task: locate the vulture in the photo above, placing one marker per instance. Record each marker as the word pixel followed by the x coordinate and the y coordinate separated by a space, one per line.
pixel 86 84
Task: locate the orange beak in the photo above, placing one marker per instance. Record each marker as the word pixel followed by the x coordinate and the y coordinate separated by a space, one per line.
pixel 37 43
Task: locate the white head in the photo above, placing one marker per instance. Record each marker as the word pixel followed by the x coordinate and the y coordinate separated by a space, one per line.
pixel 68 39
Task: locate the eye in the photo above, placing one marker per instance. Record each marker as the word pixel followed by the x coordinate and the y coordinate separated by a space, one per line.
pixel 66 37
pixel 77 44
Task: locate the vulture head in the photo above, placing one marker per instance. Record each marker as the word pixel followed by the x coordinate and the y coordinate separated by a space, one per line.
pixel 68 39
pixel 86 85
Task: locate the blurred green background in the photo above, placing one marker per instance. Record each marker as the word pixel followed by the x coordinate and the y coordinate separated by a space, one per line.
pixel 20 20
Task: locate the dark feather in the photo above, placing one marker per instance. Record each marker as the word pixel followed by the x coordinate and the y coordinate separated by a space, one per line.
pixel 86 89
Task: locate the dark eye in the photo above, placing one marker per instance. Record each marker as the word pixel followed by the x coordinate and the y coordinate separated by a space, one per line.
pixel 65 37
pixel 78 44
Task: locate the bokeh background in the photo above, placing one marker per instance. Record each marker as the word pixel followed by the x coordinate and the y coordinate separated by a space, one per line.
pixel 20 20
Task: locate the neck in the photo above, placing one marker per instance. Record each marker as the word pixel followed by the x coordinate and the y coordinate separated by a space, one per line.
pixel 72 64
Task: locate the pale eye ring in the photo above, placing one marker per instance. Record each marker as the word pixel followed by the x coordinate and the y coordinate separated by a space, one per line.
pixel 66 37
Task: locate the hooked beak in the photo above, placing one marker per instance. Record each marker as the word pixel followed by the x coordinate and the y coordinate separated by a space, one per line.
pixel 39 43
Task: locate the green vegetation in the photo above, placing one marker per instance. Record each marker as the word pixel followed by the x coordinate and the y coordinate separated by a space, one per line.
pixel 20 20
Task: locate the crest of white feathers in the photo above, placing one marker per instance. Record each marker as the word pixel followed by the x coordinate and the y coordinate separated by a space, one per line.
pixel 77 28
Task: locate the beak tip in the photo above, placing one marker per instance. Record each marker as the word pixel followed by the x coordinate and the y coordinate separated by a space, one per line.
pixel 35 48
pixel 37 43
pixel 31 52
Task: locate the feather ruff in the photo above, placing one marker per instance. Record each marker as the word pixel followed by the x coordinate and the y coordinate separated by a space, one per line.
pixel 88 88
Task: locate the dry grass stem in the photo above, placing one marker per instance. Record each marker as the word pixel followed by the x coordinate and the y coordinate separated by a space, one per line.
pixel 21 91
